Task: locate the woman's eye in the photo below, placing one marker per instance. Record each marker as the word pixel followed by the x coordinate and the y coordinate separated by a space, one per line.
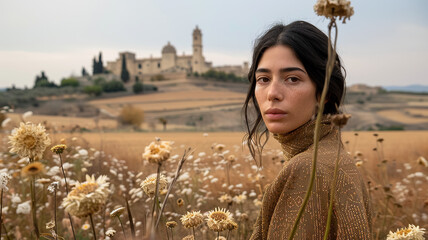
pixel 262 79
pixel 292 79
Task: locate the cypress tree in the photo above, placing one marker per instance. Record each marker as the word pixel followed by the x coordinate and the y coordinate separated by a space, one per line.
pixel 124 75
pixel 100 63
pixel 94 66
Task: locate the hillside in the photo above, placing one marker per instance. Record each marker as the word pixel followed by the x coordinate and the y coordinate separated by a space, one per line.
pixel 206 105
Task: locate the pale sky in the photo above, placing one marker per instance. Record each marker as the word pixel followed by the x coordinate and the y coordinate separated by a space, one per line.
pixel 384 43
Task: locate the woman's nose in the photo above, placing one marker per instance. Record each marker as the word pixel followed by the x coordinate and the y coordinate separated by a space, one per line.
pixel 274 91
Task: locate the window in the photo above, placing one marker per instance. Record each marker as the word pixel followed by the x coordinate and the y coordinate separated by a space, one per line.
pixel 139 66
pixel 158 65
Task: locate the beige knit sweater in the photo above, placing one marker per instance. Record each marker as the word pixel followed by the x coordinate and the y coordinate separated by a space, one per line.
pixel 284 196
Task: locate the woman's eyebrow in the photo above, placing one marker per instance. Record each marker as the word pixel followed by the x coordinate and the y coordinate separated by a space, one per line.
pixel 282 70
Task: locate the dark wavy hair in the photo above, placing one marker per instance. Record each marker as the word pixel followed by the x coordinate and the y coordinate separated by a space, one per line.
pixel 311 47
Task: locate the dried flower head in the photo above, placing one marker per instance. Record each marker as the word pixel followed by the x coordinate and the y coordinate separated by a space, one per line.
pixel 4 180
pixel 411 232
pixel 43 181
pixel 359 163
pixel 58 149
pixel 149 184
pixel 192 219
pixel 217 219
pixel 117 212
pixel 29 140
pixel 53 186
pixel 50 225
pixel 231 225
pixel 33 169
pixel 422 161
pixel 180 202
pixel 334 8
pixel 340 120
pixel 171 224
pixel 231 158
pixel 110 233
pixel 88 197
pixel 220 238
pixel 219 147
pixel 188 237
pixel 86 226
pixel 225 198
pixel 240 198
pixel 157 152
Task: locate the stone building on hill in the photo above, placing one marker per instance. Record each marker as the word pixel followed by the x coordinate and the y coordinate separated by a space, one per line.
pixel 171 65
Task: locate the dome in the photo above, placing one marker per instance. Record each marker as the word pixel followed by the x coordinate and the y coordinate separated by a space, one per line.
pixel 169 49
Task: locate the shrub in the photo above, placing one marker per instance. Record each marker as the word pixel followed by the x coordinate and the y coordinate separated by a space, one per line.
pixel 130 115
pixel 93 90
pixel 157 77
pixel 99 81
pixel 138 87
pixel 113 86
pixel 69 82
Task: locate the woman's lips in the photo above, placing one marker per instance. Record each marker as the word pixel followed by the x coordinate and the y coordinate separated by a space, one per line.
pixel 275 114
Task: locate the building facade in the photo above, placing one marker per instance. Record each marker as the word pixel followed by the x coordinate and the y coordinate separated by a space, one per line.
pixel 171 65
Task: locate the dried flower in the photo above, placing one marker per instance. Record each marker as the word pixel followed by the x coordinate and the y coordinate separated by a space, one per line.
pixel 149 184
pixel 23 208
pixel 53 186
pixel 219 147
pixel 29 140
pixel 117 212
pixel 231 225
pixel 58 149
pixel 110 233
pixel 188 237
pixel 225 198
pixel 231 158
pixel 192 219
pixel 359 163
pixel 340 120
pixel 217 219
pixel 88 197
pixel 33 169
pixel 220 238
pixel 180 202
pixel 157 152
pixel 422 161
pixel 50 225
pixel 240 198
pixel 411 232
pixel 4 180
pixel 171 224
pixel 334 8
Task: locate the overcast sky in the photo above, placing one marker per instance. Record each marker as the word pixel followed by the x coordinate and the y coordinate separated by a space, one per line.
pixel 384 43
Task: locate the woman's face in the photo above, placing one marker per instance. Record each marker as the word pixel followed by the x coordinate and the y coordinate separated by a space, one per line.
pixel 284 92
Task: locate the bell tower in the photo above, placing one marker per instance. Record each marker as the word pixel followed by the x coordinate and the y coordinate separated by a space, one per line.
pixel 198 60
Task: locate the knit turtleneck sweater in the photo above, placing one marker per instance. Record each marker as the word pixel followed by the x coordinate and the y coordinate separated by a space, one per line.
pixel 283 197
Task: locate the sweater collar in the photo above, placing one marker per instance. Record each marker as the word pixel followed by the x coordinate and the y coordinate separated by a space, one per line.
pixel 302 138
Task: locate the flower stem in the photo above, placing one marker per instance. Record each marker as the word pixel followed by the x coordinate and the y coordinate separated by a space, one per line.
pixel 66 189
pixel 131 221
pixel 123 229
pixel 329 69
pixel 5 230
pixel 177 174
pixel 93 227
pixel 33 206
pixel 1 210
pixel 333 190
pixel 56 225
pixel 193 232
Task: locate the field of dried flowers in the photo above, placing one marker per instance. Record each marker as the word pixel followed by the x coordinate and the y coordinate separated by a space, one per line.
pixel 217 173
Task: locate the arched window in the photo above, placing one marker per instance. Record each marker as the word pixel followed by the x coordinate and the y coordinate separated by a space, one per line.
pixel 158 65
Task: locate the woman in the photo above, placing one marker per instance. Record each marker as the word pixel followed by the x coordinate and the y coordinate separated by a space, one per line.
pixel 287 78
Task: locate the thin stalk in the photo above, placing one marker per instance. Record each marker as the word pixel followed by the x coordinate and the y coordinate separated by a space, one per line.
pixel 177 174
pixel 5 230
pixel 1 208
pixel 123 229
pixel 193 232
pixel 156 191
pixel 227 236
pixel 56 226
pixel 218 235
pixel 131 221
pixel 333 190
pixel 66 189
pixel 167 235
pixel 33 206
pixel 93 226
pixel 329 69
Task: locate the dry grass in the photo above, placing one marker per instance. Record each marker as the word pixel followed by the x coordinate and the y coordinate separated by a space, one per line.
pixel 399 116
